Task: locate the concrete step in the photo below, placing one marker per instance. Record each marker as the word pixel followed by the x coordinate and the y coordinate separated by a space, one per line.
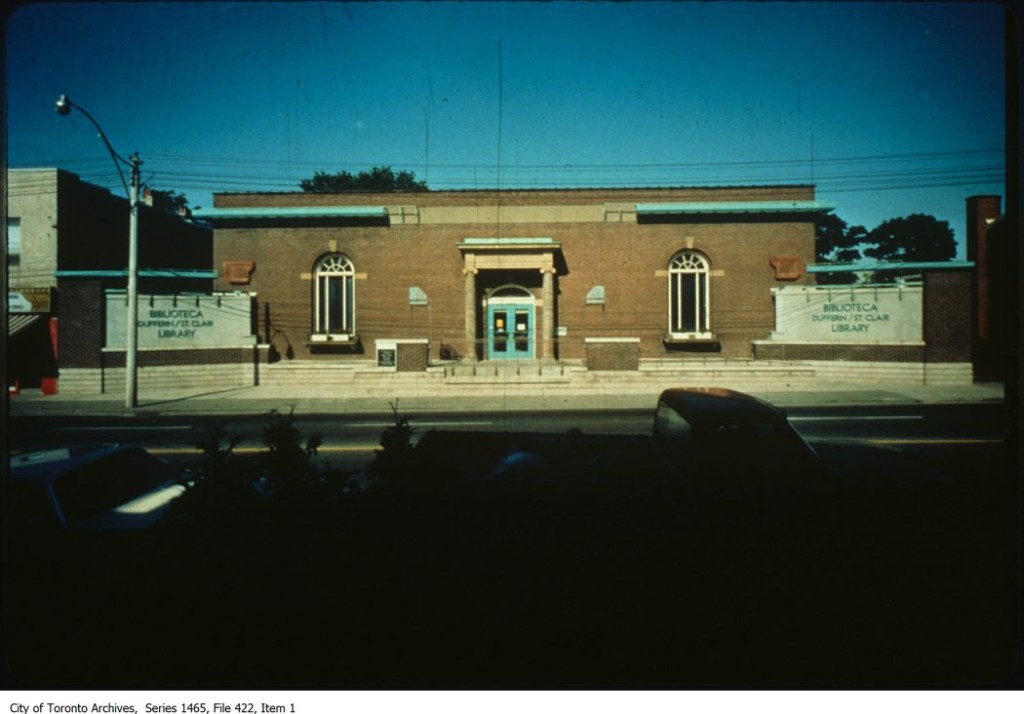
pixel 327 376
pixel 366 376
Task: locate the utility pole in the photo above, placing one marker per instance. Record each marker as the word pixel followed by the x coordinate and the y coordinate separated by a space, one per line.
pixel 63 105
pixel 132 326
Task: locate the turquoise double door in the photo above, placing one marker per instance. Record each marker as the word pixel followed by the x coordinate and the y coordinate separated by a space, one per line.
pixel 510 329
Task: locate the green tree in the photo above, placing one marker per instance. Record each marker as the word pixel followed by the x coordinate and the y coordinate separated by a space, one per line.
pixel 380 179
pixel 837 242
pixel 177 202
pixel 166 201
pixel 916 238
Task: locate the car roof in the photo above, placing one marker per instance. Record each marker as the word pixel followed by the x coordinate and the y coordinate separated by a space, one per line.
pixel 720 405
pixel 51 464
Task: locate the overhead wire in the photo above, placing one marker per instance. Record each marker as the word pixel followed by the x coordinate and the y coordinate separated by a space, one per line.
pixel 947 168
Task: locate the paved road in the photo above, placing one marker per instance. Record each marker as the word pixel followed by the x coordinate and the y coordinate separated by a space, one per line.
pixel 350 440
pixel 306 401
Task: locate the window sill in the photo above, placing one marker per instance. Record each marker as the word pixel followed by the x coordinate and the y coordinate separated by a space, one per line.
pixel 693 343
pixel 332 342
pixel 323 337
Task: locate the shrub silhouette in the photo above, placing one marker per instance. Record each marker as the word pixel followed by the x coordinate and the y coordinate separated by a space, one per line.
pixel 393 460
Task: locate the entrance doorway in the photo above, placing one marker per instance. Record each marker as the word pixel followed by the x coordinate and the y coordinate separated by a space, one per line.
pixel 510 324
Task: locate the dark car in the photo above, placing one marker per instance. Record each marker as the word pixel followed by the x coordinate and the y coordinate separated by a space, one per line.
pixel 699 434
pixel 89 487
pixel 724 431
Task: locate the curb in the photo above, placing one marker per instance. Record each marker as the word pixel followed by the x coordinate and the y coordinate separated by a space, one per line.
pixel 235 402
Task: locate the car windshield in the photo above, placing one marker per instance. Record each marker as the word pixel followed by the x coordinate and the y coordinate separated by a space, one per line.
pixel 108 483
pixel 730 437
pixel 669 425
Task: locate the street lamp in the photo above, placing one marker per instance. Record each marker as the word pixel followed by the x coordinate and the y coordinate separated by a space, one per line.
pixel 63 106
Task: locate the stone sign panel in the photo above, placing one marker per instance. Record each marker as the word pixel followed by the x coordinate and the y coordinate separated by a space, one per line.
pixel 23 300
pixel 848 314
pixel 183 321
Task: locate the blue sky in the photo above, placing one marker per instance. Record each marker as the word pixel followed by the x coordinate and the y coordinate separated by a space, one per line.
pixel 890 109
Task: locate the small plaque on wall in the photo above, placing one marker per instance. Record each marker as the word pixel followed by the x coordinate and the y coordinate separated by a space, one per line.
pixel 787 267
pixel 239 272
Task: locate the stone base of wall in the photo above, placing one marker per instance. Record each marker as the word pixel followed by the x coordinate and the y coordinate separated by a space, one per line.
pixel 948 373
pixel 868 373
pixel 169 371
pixel 612 354
pixel 181 380
pixel 820 351
pixel 80 381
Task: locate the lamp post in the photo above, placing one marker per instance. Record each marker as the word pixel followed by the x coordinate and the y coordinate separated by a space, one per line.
pixel 63 106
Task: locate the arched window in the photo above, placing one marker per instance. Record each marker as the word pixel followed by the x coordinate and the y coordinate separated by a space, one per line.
pixel 688 304
pixel 334 299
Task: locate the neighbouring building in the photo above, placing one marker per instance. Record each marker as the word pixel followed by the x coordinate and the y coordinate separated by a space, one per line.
pixel 67 246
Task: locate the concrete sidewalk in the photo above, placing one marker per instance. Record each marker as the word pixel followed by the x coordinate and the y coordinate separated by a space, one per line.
pixel 261 400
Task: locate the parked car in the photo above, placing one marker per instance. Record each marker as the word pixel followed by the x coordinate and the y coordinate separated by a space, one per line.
pixel 96 487
pixel 698 433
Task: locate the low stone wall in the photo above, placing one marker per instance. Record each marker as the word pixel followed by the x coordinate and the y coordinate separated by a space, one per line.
pixel 80 380
pixel 871 373
pixel 950 373
pixel 849 352
pixel 179 371
pixel 158 380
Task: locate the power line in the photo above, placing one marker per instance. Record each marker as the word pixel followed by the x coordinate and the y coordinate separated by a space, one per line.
pixel 935 169
pixel 274 164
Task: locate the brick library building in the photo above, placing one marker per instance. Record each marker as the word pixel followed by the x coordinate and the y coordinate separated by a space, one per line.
pixel 515 274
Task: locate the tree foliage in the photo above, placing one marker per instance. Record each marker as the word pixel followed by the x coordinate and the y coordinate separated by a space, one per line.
pixel 177 202
pixel 837 241
pixel 167 201
pixel 380 179
pixel 917 237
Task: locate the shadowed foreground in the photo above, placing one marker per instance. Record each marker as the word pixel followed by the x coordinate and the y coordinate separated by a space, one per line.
pixel 434 581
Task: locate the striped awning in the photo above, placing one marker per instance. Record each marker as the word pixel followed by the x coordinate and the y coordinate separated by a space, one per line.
pixel 18 322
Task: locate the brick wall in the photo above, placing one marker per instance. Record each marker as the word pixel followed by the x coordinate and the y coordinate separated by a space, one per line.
pixel 81 323
pixel 196 357
pixel 411 357
pixel 628 258
pixel 948 316
pixel 513 197
pixel 613 356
